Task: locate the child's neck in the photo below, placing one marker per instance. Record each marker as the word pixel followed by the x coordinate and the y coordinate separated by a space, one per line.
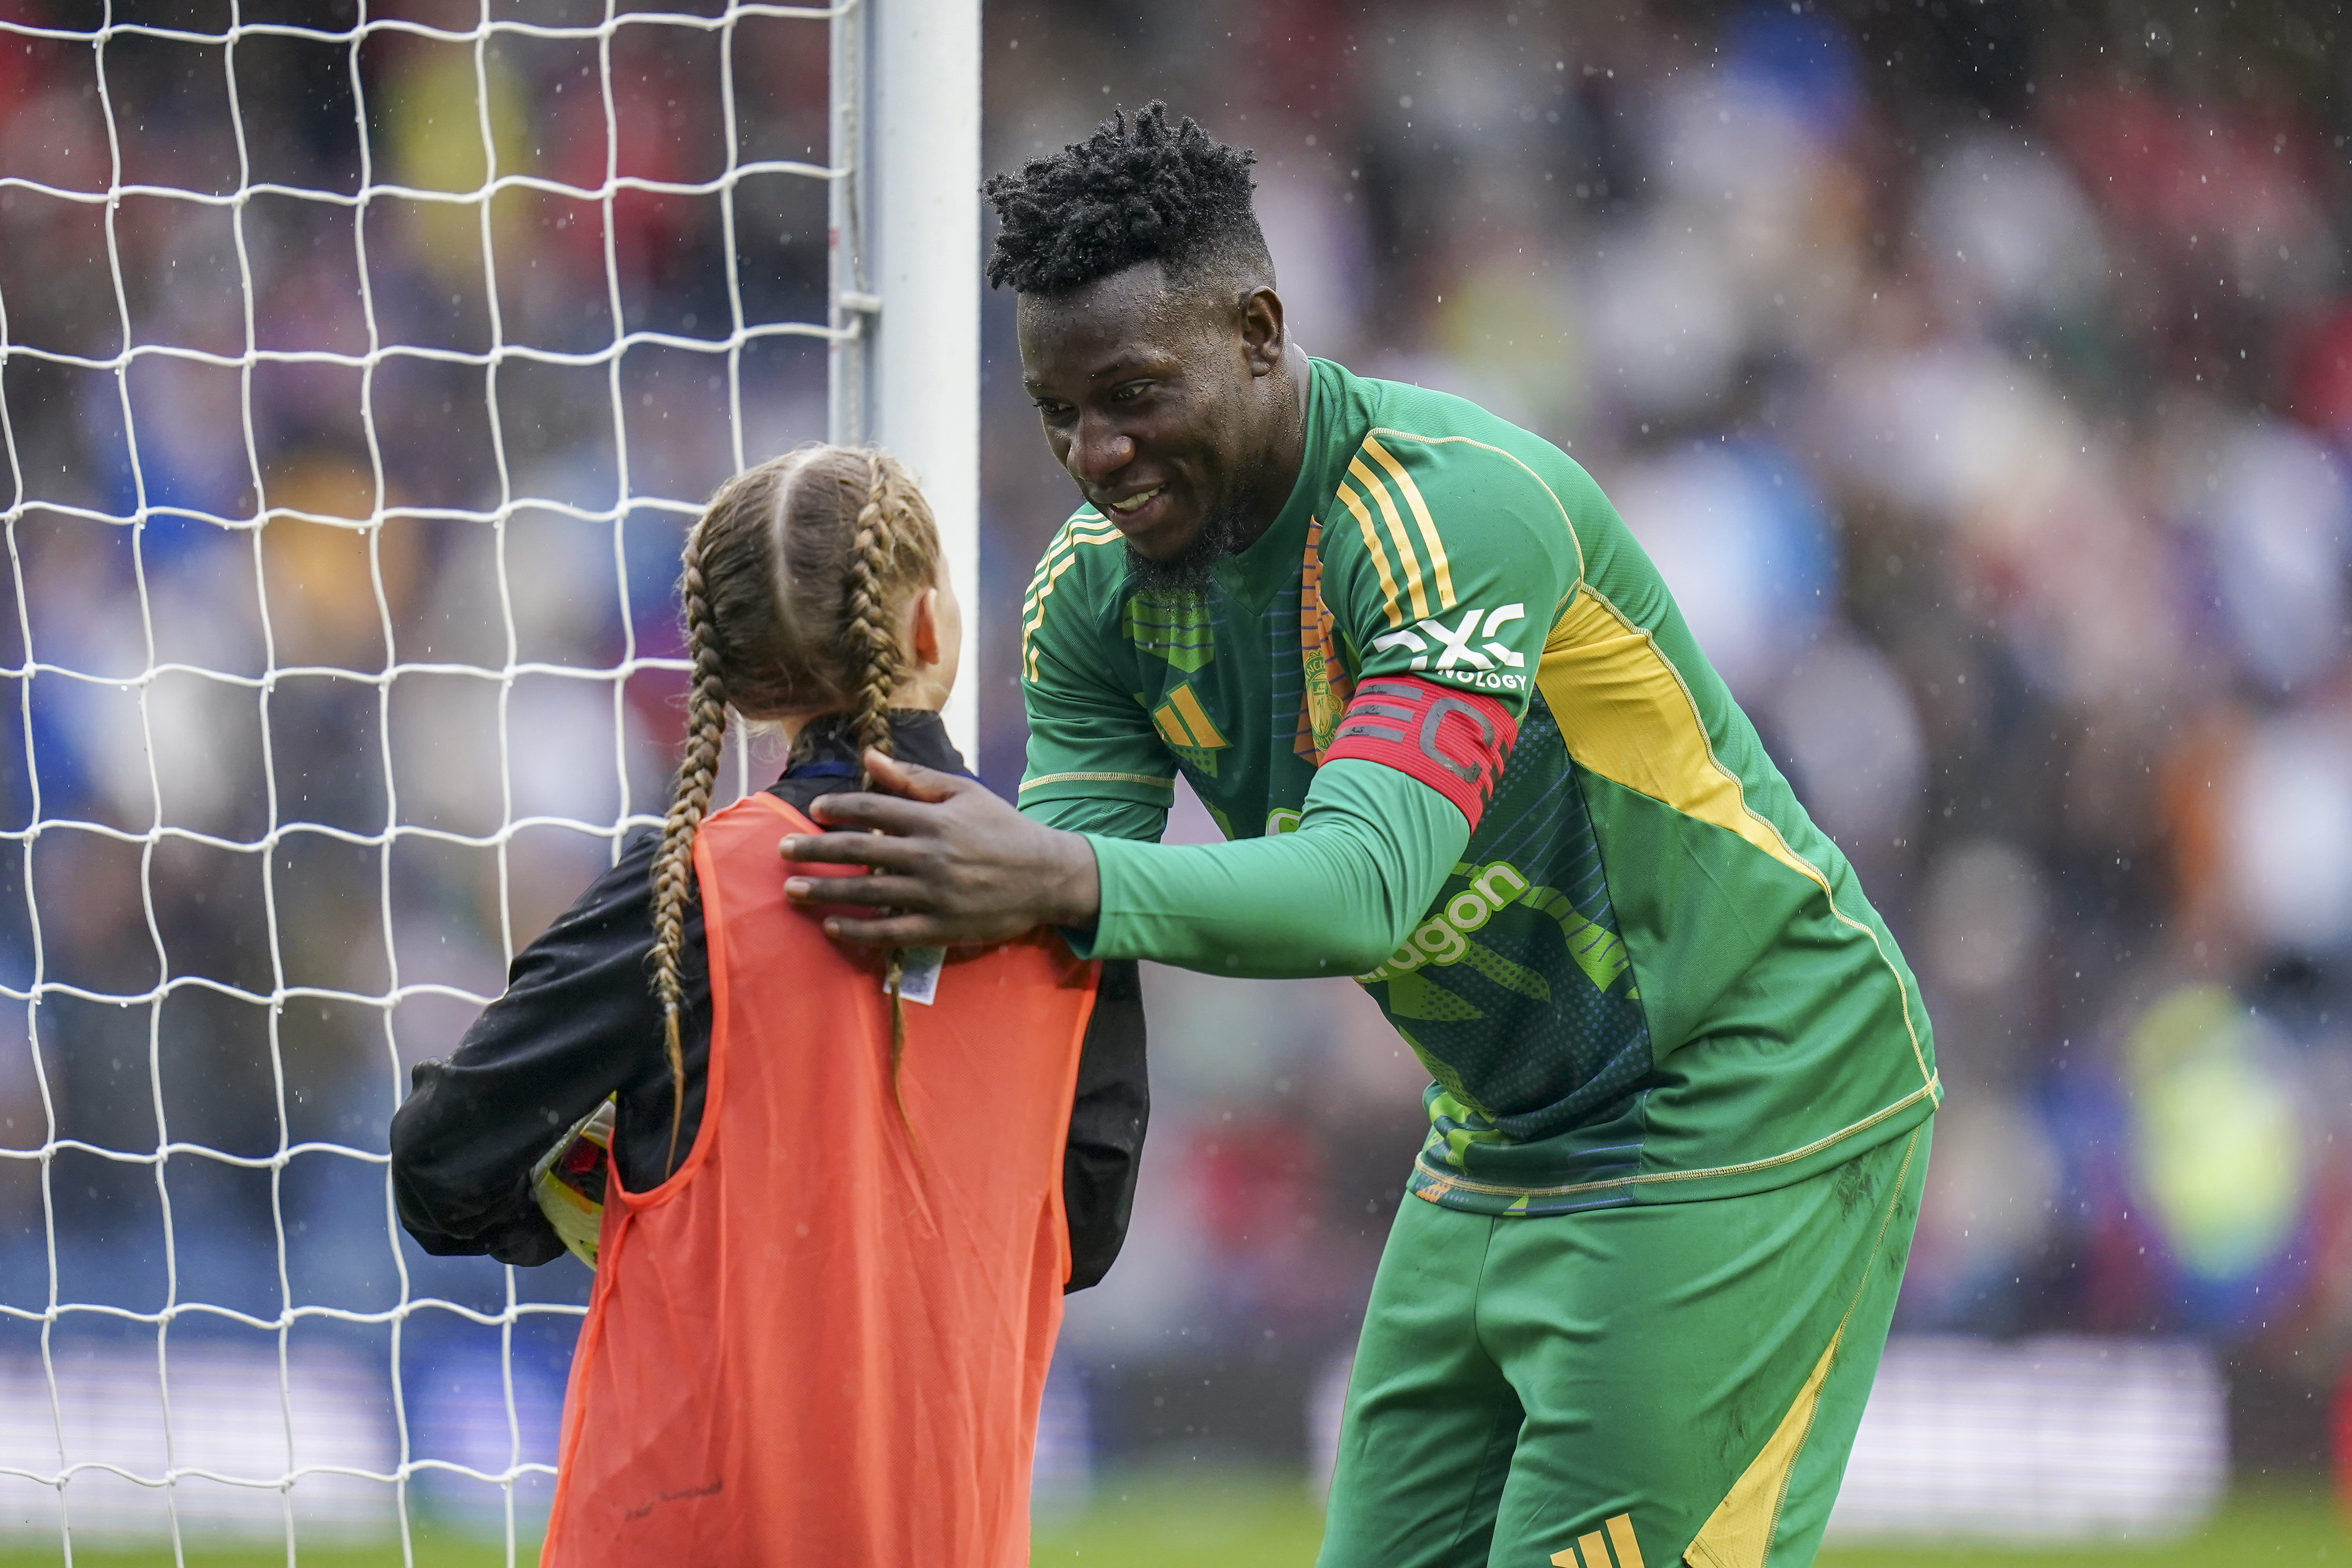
pixel 905 700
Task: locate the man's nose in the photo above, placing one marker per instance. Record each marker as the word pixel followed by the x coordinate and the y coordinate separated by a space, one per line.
pixel 1098 450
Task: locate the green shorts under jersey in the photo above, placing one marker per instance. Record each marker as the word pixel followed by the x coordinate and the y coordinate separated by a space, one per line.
pixel 1630 1387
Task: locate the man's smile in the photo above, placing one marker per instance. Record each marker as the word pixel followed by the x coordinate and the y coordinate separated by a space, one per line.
pixel 1146 517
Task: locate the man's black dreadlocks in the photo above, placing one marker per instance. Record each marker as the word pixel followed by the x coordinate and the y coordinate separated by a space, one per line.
pixel 1136 190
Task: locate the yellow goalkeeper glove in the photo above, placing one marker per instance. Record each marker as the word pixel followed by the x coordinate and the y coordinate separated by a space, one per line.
pixel 569 1183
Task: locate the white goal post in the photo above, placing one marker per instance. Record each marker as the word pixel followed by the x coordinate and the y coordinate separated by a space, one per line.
pixel 343 468
pixel 907 261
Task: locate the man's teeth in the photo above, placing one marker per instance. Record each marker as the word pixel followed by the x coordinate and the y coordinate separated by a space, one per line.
pixel 1133 502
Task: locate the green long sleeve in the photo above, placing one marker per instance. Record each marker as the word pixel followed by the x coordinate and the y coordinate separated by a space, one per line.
pixel 1335 897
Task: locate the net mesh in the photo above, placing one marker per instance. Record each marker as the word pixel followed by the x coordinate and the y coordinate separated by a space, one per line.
pixel 359 374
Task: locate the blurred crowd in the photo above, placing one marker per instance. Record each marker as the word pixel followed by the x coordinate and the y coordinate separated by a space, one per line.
pixel 1980 377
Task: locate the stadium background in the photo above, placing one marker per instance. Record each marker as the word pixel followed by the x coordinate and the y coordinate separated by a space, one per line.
pixel 1980 375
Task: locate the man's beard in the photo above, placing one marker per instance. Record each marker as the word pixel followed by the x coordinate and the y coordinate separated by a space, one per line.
pixel 1185 575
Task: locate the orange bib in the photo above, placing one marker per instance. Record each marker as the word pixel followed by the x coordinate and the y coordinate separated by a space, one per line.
pixel 822 1340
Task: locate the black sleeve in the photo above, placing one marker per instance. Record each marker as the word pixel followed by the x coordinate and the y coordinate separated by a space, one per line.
pixel 1107 1123
pixel 578 1022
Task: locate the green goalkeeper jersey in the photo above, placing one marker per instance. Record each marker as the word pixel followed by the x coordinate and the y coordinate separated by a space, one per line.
pixel 1649 976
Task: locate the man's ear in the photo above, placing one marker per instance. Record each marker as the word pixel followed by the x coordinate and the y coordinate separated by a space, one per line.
pixel 923 627
pixel 1263 337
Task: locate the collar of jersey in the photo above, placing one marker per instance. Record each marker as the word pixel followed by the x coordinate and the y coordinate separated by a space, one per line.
pixel 1258 573
pixel 916 734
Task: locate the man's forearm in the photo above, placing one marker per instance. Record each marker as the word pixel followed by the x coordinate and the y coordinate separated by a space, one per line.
pixel 950 863
pixel 1334 897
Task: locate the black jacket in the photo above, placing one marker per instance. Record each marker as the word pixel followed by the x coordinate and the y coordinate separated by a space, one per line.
pixel 579 1022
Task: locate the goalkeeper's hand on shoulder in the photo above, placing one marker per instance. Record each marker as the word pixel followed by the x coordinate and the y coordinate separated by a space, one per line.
pixel 946 862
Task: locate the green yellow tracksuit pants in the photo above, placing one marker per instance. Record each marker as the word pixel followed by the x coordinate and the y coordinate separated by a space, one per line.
pixel 1629 1387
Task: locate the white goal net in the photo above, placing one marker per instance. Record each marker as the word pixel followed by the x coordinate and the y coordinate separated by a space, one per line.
pixel 360 368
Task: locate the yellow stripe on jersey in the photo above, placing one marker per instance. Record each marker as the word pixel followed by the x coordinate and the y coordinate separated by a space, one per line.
pixel 1596 1555
pixel 1035 616
pixel 1380 557
pixel 1621 1536
pixel 1185 722
pixel 1566 521
pixel 1440 567
pixel 1172 728
pixel 1042 780
pixel 1411 563
pixel 1085 528
pixel 1625 712
pixel 1070 541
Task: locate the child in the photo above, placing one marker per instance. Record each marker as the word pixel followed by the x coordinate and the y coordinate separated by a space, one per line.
pixel 840 1218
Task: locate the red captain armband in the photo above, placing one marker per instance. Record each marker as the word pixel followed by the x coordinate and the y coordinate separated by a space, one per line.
pixel 1454 742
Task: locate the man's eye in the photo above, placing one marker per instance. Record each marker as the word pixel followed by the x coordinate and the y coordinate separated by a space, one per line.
pixel 1130 392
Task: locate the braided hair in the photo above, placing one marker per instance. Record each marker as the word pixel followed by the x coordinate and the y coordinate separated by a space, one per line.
pixel 874 641
pixel 790 585
pixel 689 802
pixel 1137 190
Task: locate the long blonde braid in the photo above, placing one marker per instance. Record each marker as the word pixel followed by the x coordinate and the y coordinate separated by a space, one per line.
pixel 874 643
pixel 689 801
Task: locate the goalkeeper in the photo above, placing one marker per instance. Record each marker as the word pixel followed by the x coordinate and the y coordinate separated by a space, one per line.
pixel 1465 749
pixel 830 1267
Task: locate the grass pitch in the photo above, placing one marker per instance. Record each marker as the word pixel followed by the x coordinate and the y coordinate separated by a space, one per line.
pixel 1151 1519
pixel 1150 1522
